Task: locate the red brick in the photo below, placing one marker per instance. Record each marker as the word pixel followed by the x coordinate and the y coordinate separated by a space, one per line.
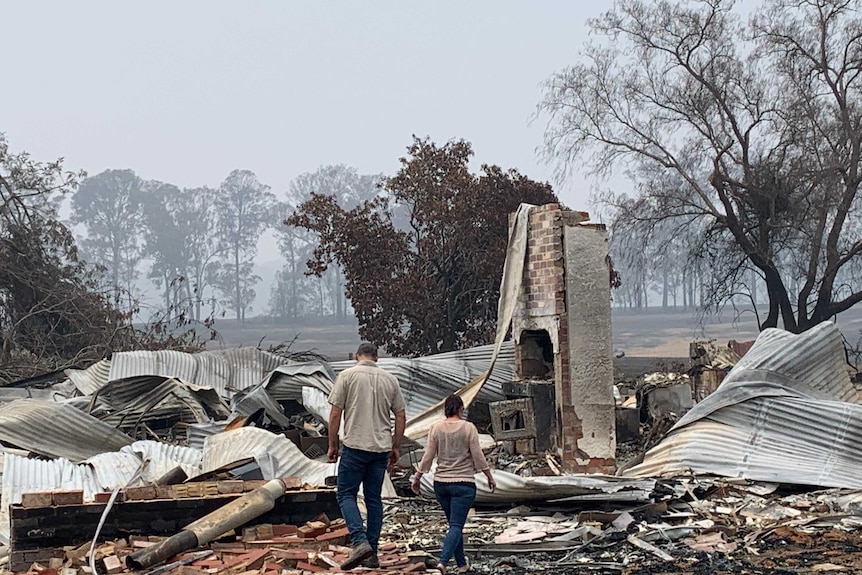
pixel 281 530
pixel 68 497
pixel 292 482
pixel 112 564
pixel 291 554
pixel 141 493
pixel 228 486
pixel 251 560
pixel 264 531
pixel 208 563
pixel 337 537
pixel 394 560
pixel 252 485
pixel 37 499
pixel 312 529
pixel 309 567
pixel 164 492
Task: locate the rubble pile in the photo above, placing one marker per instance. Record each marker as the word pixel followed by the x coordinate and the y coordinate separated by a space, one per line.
pixel 314 547
pixel 693 525
pixel 758 474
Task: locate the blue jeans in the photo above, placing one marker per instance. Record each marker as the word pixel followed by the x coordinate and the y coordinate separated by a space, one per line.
pixel 456 499
pixel 368 468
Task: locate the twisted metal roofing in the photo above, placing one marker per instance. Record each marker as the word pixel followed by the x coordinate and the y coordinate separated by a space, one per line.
pixel 787 412
pixel 512 487
pixel 276 455
pixel 426 380
pixel 57 430
pixel 227 371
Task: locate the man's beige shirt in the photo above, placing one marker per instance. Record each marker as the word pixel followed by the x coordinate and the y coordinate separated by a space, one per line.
pixel 369 396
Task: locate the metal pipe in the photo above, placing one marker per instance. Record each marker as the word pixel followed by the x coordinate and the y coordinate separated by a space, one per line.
pixel 230 516
pixel 237 513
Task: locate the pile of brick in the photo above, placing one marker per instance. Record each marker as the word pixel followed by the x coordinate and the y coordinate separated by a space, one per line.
pixel 35 499
pixel 318 546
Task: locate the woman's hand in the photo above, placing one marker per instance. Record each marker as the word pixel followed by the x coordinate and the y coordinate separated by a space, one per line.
pixel 414 486
pixel 492 483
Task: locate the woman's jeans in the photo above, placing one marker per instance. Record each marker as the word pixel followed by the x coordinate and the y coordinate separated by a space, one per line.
pixel 456 499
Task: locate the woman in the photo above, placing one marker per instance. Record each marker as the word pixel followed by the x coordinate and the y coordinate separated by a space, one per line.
pixel 455 444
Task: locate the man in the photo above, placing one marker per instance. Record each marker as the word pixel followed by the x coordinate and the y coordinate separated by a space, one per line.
pixel 366 396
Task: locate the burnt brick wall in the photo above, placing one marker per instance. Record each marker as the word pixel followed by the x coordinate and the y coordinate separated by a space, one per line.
pixel 544 304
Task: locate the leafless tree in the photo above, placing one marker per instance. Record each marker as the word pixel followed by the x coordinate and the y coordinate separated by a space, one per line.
pixel 752 129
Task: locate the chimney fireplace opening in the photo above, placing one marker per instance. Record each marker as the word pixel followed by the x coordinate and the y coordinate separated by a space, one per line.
pixel 537 355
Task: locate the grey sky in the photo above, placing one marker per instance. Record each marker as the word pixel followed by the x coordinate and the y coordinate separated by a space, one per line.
pixel 186 91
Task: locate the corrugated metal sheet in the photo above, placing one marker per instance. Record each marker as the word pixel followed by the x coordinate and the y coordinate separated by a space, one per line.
pixel 110 470
pixel 426 380
pixel 226 371
pixel 787 413
pixel 57 430
pixel 249 401
pixel 276 455
pixel 513 488
pixel 56 392
pixel 198 432
pixel 89 381
pixel 153 398
pixel 286 381
pixel 100 473
pixel 163 457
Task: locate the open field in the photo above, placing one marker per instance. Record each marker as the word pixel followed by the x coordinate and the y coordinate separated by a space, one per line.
pixel 650 335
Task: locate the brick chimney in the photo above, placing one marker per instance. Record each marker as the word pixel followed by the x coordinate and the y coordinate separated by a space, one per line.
pixel 562 330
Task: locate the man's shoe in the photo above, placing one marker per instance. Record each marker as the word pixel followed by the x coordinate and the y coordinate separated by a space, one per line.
pixel 373 562
pixel 358 554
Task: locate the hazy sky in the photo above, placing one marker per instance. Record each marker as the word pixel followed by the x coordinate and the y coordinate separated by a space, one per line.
pixel 186 91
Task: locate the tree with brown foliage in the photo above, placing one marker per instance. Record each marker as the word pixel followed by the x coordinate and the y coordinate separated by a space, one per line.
pixel 432 284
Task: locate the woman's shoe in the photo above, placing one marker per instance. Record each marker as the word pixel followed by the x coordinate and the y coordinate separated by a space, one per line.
pixel 441 568
pixel 465 568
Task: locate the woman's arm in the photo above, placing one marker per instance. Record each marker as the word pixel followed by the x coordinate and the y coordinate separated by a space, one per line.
pixel 430 451
pixel 479 461
pixel 427 459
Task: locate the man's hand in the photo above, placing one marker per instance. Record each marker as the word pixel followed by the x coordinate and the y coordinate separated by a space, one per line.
pixel 393 457
pixel 334 425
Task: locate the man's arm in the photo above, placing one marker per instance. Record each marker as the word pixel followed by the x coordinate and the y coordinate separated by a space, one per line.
pixel 334 425
pixel 397 435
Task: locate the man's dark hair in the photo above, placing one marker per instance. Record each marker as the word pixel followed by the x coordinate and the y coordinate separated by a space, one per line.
pixel 368 349
pixel 452 404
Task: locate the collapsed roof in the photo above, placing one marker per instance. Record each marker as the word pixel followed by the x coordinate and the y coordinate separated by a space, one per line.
pixel 788 412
